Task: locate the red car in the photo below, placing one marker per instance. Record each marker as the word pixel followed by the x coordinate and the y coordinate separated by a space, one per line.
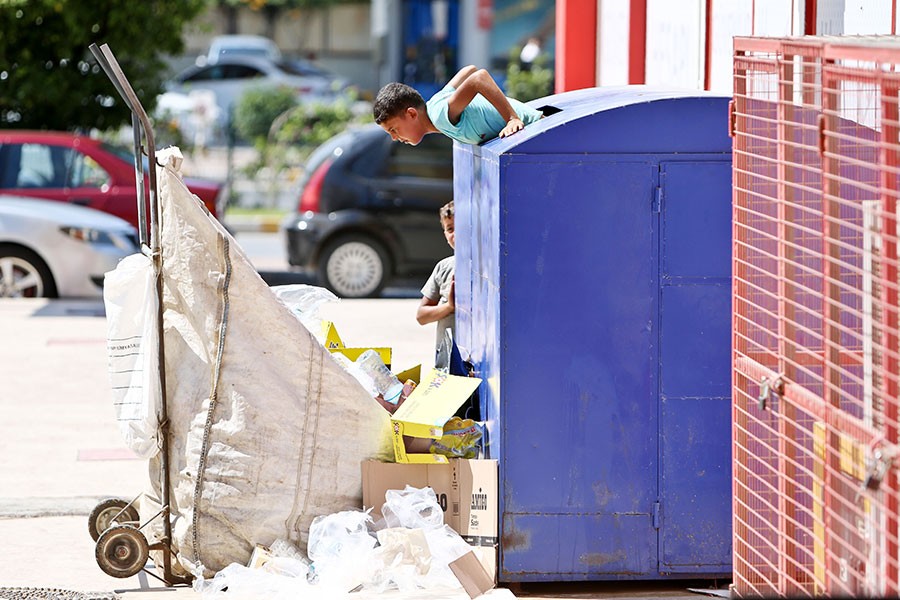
pixel 74 168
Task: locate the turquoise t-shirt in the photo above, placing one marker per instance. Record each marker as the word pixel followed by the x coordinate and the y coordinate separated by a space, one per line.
pixel 479 121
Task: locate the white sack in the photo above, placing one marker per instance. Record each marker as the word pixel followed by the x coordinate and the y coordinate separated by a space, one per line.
pixel 272 434
pixel 132 341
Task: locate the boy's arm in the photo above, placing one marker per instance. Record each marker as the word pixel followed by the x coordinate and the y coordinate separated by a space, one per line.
pixel 430 311
pixel 461 76
pixel 481 82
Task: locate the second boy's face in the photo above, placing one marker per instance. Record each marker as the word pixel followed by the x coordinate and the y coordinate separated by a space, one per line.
pixel 407 127
pixel 449 232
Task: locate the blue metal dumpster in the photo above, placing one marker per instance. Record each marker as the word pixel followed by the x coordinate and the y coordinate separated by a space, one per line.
pixel 593 296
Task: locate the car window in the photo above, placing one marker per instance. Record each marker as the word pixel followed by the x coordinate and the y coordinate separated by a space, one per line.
pixel 242 72
pixel 432 158
pixel 302 68
pixel 41 166
pixel 86 172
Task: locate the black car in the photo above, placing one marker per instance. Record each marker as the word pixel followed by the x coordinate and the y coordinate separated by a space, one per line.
pixel 368 210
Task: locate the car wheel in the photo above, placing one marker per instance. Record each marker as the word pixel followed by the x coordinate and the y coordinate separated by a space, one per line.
pixel 24 275
pixel 354 266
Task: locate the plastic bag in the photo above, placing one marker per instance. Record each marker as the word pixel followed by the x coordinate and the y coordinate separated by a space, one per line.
pixel 416 508
pixel 132 342
pixel 242 582
pixel 340 546
pixel 304 301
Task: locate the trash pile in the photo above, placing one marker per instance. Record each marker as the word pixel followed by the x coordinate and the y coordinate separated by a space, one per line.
pixel 274 427
pixel 408 549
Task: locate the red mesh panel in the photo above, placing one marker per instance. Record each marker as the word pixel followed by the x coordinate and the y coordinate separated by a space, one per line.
pixel 815 335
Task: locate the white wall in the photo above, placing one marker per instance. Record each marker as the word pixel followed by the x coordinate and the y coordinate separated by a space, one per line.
pixel 675 43
pixel 776 18
pixel 867 17
pixel 612 41
pixel 729 19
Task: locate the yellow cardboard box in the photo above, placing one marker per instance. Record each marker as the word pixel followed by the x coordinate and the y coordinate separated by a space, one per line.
pixel 425 412
pixel 334 344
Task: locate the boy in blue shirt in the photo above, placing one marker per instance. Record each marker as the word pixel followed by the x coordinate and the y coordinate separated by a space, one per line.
pixel 471 109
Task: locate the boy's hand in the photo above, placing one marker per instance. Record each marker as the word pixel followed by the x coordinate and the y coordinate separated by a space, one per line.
pixel 451 295
pixel 513 125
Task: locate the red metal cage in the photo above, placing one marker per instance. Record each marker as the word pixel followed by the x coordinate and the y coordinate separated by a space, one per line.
pixel 815 308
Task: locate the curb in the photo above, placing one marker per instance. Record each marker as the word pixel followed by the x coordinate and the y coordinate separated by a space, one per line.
pixel 253 224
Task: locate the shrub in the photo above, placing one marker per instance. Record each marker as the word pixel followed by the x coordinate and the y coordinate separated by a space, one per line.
pixel 528 83
pixel 258 108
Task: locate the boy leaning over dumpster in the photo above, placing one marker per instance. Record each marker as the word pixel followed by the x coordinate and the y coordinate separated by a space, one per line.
pixel 438 294
pixel 471 109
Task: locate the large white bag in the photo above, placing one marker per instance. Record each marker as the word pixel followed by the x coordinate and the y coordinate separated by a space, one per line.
pixel 266 430
pixel 132 346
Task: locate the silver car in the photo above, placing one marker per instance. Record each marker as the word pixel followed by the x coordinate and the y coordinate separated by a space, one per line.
pixel 231 75
pixel 54 249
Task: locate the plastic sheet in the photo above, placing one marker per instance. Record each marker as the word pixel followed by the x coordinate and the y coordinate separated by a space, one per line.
pixel 305 301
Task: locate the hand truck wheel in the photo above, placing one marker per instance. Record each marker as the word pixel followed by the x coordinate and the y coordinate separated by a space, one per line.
pixel 122 551
pixel 104 515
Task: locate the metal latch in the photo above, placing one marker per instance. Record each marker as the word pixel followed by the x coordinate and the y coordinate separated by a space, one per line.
pixel 876 468
pixel 768 387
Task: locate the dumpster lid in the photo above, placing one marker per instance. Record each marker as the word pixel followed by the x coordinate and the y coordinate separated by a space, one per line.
pixel 629 119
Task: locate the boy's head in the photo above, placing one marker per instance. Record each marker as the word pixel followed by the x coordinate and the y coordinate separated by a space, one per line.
pixel 447 224
pixel 400 110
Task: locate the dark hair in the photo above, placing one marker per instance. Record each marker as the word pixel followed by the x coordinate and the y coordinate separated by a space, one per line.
pixel 447 211
pixel 393 99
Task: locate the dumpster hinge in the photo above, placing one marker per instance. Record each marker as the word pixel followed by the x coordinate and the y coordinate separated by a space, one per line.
pixel 657 200
pixel 655 515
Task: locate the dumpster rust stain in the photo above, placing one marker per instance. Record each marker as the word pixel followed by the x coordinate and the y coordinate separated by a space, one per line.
pixel 596 559
pixel 514 539
pixel 602 493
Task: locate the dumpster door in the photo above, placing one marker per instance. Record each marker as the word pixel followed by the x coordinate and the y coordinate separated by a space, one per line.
pixel 695 380
pixel 579 395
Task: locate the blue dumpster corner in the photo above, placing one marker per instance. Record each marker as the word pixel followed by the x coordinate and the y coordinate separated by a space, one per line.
pixel 593 269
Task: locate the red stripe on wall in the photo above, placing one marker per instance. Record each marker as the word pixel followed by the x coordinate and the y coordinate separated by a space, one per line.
pixel 576 44
pixel 707 63
pixel 637 42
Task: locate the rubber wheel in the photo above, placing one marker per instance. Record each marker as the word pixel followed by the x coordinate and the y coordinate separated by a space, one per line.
pixel 122 551
pixel 23 274
pixel 354 266
pixel 104 514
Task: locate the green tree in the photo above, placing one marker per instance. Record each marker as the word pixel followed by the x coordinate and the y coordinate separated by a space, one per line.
pixel 528 83
pixel 50 80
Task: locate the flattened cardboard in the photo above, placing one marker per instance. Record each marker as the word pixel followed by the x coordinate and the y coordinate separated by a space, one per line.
pixel 473 577
pixel 425 412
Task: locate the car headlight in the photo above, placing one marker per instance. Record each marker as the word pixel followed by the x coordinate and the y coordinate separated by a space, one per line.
pixel 100 237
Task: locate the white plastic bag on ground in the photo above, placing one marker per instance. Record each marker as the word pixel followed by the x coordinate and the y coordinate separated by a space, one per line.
pixel 131 301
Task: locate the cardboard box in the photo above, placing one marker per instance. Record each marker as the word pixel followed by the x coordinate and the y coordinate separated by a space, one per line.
pixel 334 344
pixel 425 412
pixel 466 490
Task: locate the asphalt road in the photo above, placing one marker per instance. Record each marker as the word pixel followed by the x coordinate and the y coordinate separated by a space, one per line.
pixel 268 254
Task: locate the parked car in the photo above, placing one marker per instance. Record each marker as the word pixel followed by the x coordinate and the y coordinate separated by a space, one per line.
pixel 50 249
pixel 81 170
pixel 242 45
pixel 230 76
pixel 368 210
